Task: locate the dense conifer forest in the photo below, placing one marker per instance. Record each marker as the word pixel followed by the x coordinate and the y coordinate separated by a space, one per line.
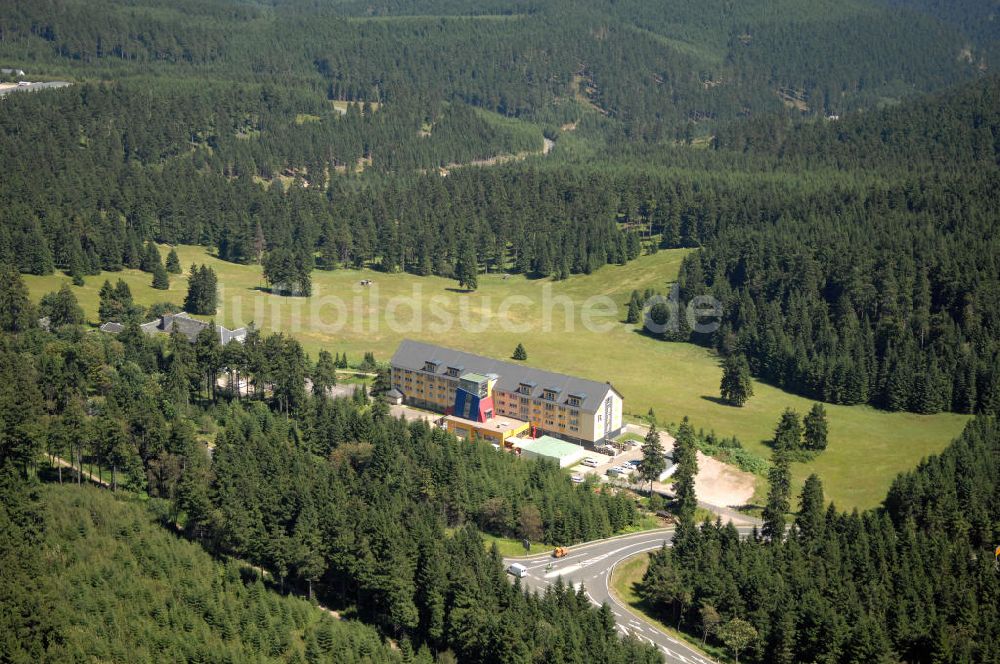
pixel 335 499
pixel 916 581
pixel 832 166
pixel 261 128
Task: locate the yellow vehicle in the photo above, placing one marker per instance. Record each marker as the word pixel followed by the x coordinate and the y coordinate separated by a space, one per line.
pixel 559 552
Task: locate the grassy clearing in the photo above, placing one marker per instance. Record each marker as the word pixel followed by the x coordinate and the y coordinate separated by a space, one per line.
pixel 867 447
pixel 510 547
pixel 624 584
pixel 341 106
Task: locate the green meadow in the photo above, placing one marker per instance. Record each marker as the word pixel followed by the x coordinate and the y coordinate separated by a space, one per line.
pixel 573 326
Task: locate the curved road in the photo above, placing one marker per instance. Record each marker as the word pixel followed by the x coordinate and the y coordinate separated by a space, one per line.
pixel 592 564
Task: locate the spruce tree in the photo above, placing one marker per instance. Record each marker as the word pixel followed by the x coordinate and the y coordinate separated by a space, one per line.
pixel 815 428
pixel 788 434
pixel 150 257
pixel 779 478
pixel 736 386
pixel 61 308
pixel 173 262
pixel 202 296
pixel 324 374
pixel 634 314
pixel 520 353
pixel 16 311
pixel 686 458
pixel 467 269
pixel 653 463
pixel 809 521
pixel 161 281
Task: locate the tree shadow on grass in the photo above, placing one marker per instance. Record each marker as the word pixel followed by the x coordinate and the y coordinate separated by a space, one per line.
pixel 718 400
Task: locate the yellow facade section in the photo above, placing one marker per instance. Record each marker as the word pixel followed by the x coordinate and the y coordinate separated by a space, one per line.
pixel 486 431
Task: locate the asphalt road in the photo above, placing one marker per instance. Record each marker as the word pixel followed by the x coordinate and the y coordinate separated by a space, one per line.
pixel 592 564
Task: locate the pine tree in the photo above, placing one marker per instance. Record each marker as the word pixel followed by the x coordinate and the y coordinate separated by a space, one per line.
pixel 736 386
pixel 520 353
pixel 815 428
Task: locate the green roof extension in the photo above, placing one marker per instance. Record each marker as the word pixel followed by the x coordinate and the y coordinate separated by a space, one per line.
pixel 550 447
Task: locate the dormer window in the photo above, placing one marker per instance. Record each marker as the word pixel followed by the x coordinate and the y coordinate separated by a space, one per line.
pixel 549 395
pixel 454 371
pixel 430 367
pixel 524 388
pixel 574 401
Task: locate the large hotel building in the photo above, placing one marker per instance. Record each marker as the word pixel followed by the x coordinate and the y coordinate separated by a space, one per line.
pixel 574 409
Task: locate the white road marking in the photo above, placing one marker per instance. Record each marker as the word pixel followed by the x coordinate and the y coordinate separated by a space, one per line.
pixel 562 572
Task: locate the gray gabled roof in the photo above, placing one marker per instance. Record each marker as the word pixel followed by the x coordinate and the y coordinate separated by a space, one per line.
pixel 191 327
pixel 414 354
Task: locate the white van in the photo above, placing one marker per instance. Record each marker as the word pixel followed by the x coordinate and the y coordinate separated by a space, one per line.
pixel 518 570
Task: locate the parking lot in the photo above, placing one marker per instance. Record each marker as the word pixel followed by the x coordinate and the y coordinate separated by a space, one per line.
pixel 632 452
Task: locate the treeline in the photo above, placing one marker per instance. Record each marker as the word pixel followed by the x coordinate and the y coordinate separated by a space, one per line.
pixel 887 295
pixel 124 589
pixel 105 191
pixel 333 497
pixel 915 581
pixel 892 302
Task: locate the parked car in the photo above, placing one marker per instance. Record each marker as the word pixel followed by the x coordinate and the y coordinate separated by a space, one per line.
pixel 634 463
pixel 576 478
pixel 590 462
pixel 615 471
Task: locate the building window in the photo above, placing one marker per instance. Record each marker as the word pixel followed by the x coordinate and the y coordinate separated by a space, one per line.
pixel 430 367
pixel 574 401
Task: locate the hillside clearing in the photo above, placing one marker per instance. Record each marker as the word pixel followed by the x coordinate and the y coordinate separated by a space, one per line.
pixel 867 449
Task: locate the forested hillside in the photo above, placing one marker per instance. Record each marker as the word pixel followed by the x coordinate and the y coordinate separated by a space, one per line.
pixel 334 498
pixel 121 588
pixel 888 295
pixel 916 581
